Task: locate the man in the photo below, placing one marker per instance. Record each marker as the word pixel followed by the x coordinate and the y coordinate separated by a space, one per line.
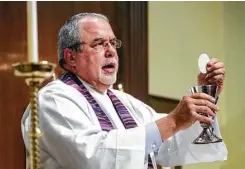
pixel 88 125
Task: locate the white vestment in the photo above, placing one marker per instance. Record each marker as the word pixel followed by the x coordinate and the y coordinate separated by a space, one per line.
pixel 72 137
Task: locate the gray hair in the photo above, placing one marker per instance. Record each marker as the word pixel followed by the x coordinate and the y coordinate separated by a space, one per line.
pixel 69 36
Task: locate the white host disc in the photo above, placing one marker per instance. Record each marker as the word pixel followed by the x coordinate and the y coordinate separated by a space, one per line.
pixel 202 62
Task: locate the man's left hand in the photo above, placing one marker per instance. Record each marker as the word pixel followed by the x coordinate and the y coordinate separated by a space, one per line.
pixel 215 74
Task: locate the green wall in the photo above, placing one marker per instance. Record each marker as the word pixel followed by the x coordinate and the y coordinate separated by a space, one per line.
pixel 178 33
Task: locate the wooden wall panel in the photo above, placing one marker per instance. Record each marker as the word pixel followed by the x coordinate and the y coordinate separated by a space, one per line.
pixel 50 22
pixel 13 91
pixel 132 26
pixel 13 48
pixel 129 21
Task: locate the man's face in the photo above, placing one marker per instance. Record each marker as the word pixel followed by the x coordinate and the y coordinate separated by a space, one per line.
pixel 96 64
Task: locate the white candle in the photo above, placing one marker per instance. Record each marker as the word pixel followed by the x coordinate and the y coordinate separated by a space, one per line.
pixel 32 33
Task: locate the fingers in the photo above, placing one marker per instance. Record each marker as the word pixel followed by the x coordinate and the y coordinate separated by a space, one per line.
pixel 212 65
pixel 212 61
pixel 195 107
pixel 215 74
pixel 203 96
pixel 217 79
pixel 206 110
pixel 204 119
pixel 216 70
pixel 206 103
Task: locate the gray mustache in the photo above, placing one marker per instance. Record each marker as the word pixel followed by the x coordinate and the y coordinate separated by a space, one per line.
pixel 114 62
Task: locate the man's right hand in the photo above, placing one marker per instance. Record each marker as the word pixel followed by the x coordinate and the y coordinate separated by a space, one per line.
pixel 186 114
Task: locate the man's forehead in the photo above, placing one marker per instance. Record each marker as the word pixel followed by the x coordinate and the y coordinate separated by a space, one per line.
pixel 95 27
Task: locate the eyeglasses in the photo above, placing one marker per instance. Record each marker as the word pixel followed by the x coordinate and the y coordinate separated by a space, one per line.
pixel 99 44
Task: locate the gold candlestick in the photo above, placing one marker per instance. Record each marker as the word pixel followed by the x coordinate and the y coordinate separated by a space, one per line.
pixel 34 74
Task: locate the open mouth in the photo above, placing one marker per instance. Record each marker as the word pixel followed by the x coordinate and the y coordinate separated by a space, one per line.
pixel 109 68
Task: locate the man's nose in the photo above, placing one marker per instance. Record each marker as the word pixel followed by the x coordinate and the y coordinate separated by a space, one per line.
pixel 110 51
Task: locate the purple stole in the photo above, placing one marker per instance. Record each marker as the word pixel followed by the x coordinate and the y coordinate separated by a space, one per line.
pixel 105 123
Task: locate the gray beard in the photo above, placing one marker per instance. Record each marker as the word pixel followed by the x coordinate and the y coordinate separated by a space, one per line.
pixel 108 79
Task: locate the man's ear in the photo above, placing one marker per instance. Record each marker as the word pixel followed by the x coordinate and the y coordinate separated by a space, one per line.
pixel 69 57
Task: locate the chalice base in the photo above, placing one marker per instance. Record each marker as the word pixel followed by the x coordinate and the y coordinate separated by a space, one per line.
pixel 206 137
